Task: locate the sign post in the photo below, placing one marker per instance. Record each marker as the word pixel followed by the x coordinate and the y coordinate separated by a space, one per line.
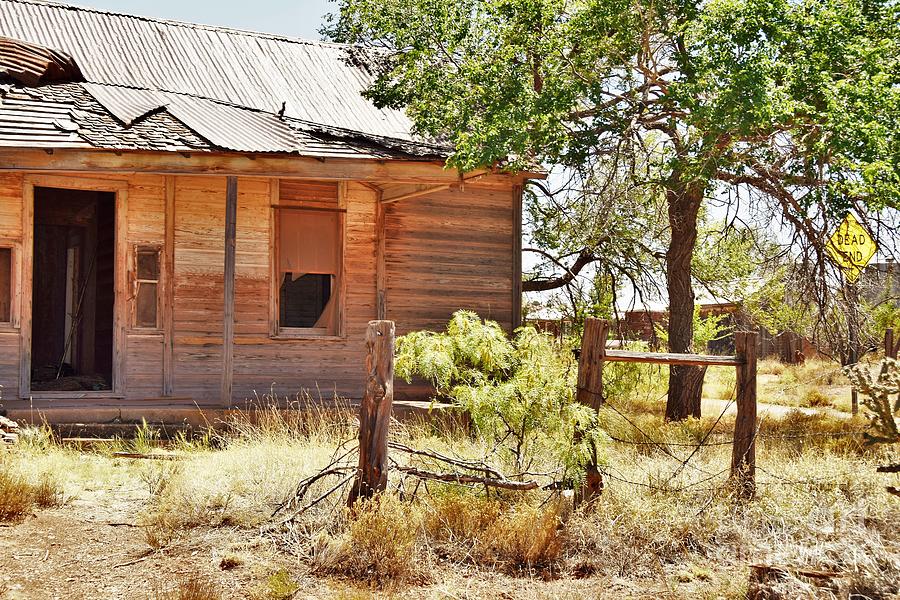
pixel 852 247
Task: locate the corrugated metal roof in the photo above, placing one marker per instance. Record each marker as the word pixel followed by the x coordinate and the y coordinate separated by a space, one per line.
pixel 32 64
pixel 126 104
pixel 314 81
pixel 225 126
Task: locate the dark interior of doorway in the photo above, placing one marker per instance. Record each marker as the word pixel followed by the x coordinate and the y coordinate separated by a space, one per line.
pixel 73 293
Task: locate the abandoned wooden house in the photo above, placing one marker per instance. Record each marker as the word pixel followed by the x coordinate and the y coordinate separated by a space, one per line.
pixel 190 215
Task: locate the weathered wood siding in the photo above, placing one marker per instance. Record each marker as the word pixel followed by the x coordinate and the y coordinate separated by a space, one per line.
pixel 199 299
pixel 443 252
pixel 447 251
pixel 10 231
pixel 146 226
pixel 322 366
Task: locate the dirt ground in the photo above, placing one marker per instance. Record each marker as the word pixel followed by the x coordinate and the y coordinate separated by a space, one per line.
pixel 93 548
pixel 61 554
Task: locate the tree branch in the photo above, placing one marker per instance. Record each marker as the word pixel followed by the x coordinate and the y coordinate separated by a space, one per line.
pixel 470 479
pixel 585 258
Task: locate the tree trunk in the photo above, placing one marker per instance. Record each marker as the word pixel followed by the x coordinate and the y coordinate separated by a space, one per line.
pixel 685 382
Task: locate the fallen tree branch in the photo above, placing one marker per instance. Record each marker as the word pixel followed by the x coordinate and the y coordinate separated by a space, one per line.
pixel 895 468
pixel 465 464
pixel 303 486
pixel 339 485
pixel 504 484
pixel 148 456
pixel 128 563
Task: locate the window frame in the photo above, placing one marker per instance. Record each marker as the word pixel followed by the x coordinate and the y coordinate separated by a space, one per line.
pixel 136 282
pixel 276 331
pixel 14 278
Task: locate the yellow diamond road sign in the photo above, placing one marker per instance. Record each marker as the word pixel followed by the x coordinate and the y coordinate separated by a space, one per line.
pixel 851 247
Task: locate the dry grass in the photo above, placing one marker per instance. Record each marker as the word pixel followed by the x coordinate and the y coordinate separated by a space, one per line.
pixel 277 586
pixel 820 505
pixel 261 457
pixel 230 561
pixel 19 496
pixel 192 588
pixel 814 398
pixel 526 537
pixel 720 383
pixel 379 544
pixel 770 366
pixel 455 518
pixel 15 497
pixel 512 535
pixel 817 379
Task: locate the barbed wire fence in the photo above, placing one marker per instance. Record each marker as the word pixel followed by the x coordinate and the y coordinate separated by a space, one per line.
pixel 693 455
pixel 713 440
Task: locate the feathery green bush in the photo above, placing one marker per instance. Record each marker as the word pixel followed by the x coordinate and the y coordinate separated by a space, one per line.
pixel 519 392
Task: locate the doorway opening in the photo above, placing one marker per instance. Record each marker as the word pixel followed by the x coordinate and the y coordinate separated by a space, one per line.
pixel 73 293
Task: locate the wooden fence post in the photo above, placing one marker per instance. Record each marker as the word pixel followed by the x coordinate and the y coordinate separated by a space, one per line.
pixel 375 412
pixel 890 351
pixel 743 456
pixel 590 393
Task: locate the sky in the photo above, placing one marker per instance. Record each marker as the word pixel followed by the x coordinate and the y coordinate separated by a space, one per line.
pixel 294 18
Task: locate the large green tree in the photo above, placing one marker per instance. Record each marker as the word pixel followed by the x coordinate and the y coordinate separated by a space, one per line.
pixel 795 101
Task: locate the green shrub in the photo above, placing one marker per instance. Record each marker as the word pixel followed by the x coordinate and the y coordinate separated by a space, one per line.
pixel 280 586
pixel 519 392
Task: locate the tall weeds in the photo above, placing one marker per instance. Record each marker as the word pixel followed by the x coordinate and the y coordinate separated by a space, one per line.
pixel 19 496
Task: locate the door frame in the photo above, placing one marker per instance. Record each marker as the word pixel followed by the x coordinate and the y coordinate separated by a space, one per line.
pixel 119 187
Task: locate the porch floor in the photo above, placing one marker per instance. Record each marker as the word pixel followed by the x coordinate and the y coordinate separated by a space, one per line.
pixel 81 418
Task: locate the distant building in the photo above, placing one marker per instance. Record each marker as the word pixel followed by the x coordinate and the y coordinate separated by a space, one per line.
pixel 789 347
pixel 880 281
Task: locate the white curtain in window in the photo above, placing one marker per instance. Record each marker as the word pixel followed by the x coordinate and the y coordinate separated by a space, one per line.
pixel 329 317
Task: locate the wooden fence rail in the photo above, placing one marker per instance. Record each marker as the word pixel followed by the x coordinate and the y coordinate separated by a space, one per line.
pixel 375 411
pixel 590 392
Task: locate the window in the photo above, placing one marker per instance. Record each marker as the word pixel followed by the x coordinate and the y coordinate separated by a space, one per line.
pixel 6 287
pixel 146 305
pixel 308 257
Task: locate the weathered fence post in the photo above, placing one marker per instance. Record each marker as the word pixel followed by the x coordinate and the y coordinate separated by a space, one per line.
pixel 743 456
pixel 890 351
pixel 375 412
pixel 590 393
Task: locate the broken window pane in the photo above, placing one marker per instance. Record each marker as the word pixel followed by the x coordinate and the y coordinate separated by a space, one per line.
pixel 148 264
pixel 303 300
pixel 146 292
pixel 5 285
pixel 146 305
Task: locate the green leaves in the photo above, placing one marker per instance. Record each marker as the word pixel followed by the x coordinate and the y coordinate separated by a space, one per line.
pixel 518 392
pixel 809 87
pixel 468 352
